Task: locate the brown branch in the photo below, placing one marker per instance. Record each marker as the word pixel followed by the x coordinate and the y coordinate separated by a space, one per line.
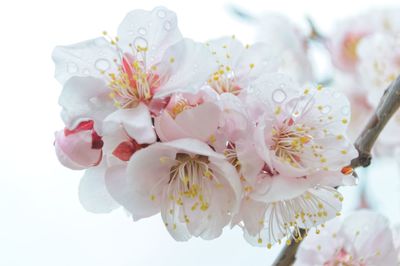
pixel 388 105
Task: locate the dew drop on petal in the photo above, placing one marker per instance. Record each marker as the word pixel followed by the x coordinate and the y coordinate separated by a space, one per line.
pixel 142 31
pixel 102 64
pixel 326 109
pixel 72 68
pixel 167 25
pixel 278 96
pixel 345 110
pixel 140 43
pixel 161 13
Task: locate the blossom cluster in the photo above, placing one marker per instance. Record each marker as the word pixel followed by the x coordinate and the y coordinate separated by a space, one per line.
pixel 366 50
pixel 207 134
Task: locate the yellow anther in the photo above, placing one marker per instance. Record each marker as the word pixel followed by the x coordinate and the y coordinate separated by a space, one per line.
pixel 259 241
pixel 172 59
pixel 251 66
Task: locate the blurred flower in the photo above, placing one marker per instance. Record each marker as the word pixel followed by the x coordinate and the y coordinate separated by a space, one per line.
pixel 288 44
pixel 364 238
pixel 239 65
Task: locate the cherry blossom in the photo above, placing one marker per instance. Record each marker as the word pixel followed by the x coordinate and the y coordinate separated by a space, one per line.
pixel 79 148
pixel 146 62
pixel 195 189
pixel 364 238
pixel 288 44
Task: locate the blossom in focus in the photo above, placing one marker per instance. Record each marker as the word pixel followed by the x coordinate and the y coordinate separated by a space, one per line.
pixel 187 115
pixel 79 148
pixel 303 153
pixel 146 62
pixel 195 189
pixel 363 238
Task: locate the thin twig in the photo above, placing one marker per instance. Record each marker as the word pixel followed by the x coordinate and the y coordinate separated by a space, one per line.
pixel 388 105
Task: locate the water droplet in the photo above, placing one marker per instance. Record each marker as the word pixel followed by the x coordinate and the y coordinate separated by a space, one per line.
pixel 102 64
pixel 72 68
pixel 161 13
pixel 167 25
pixel 278 96
pixel 345 110
pixel 140 43
pixel 142 31
pixel 326 109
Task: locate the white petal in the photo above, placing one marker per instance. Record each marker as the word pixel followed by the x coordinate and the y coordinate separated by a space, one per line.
pixel 85 98
pixel 155 30
pixel 188 65
pixel 93 194
pixel 84 59
pixel 130 196
pixel 368 233
pixel 136 122
pixel 200 122
pixel 226 50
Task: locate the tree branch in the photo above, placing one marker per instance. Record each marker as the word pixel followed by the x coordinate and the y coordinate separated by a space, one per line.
pixel 388 105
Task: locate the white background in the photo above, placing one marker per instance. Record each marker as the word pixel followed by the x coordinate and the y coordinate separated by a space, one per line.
pixel 41 220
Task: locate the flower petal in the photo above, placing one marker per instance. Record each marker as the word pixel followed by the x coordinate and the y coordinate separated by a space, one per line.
pixel 89 58
pixel 154 30
pixel 93 194
pixel 188 64
pixel 85 98
pixel 136 122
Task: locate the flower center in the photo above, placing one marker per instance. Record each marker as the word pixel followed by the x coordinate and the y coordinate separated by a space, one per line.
pixel 289 140
pixel 189 181
pixel 231 155
pixel 224 80
pixel 343 258
pixel 133 83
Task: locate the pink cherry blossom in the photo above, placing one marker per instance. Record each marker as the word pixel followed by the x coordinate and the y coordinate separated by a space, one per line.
pixel 301 131
pixel 79 148
pixel 189 115
pixel 344 41
pixel 239 65
pixel 195 189
pixel 287 43
pixel 146 62
pixel 364 238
